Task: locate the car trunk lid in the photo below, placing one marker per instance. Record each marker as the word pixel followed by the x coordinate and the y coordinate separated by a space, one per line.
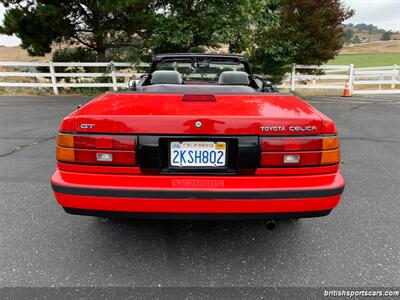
pixel 229 114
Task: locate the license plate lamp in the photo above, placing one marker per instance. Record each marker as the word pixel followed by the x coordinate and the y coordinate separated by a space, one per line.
pixel 104 156
pixel 291 159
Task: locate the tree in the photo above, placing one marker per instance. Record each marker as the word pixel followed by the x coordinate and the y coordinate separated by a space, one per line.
pixel 366 27
pixel 274 33
pixel 187 25
pixel 356 39
pixel 348 35
pixel 307 32
pixel 386 36
pixel 98 25
pixel 370 29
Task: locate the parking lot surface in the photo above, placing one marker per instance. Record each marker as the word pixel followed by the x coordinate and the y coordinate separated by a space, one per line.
pixel 358 244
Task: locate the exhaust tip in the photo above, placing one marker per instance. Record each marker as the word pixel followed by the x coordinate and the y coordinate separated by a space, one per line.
pixel 270 224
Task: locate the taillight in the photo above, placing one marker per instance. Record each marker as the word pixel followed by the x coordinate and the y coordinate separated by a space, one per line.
pixel 299 151
pixel 96 149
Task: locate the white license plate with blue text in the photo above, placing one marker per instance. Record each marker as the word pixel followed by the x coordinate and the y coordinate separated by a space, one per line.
pixel 198 154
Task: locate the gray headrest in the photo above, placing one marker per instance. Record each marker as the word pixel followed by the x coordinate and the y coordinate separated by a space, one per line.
pixel 234 78
pixel 166 77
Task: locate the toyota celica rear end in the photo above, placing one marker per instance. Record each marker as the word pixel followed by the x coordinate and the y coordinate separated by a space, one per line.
pixel 185 143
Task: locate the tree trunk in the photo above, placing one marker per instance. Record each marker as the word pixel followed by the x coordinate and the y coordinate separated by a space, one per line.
pixel 101 55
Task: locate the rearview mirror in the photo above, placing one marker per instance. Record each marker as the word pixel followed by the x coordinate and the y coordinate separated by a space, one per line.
pixel 202 64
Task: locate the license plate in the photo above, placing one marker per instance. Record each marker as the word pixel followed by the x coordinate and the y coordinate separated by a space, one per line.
pixel 198 154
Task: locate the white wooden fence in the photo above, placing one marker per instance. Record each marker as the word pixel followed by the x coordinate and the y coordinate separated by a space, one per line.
pixel 376 80
pixel 50 79
pixel 386 78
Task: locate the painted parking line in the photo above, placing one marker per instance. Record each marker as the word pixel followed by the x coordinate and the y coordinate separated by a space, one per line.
pixel 336 102
pixel 377 97
pixel 348 100
pixel 355 100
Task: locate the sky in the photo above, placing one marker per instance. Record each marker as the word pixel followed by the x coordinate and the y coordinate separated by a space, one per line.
pixel 382 13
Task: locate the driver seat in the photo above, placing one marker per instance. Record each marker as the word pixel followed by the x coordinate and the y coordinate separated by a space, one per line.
pixel 234 78
pixel 166 77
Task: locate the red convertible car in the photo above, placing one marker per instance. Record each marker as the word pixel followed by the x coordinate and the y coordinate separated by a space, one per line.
pixel 198 137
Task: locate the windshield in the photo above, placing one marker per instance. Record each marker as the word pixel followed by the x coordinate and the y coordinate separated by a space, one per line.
pixel 199 69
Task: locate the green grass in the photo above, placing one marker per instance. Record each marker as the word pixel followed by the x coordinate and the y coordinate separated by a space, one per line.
pixel 367 60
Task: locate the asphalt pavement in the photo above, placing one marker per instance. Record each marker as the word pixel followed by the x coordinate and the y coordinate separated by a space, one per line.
pixel 358 244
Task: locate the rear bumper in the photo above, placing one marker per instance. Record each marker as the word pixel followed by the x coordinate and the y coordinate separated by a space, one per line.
pixel 193 197
pixel 196 216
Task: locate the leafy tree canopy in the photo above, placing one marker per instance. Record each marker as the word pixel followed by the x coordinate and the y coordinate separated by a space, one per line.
pixel 98 25
pixel 306 32
pixel 273 33
pixel 387 36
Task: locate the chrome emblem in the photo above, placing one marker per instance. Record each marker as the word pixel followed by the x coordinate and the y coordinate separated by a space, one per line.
pixel 293 128
pixel 302 128
pixel 198 124
pixel 272 128
pixel 87 126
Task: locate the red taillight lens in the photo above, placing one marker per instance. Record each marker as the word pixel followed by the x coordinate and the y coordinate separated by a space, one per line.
pixel 291 144
pixel 105 142
pixel 123 158
pixel 302 151
pixel 97 149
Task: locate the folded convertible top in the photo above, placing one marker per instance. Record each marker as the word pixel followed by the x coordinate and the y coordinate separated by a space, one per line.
pixel 193 89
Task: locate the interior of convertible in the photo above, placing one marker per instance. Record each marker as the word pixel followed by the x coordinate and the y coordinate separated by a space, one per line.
pixel 201 71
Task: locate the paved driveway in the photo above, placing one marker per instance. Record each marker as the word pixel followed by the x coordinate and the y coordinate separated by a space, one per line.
pixel 357 245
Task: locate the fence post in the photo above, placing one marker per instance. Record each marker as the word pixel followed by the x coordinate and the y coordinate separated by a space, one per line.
pixel 53 77
pixel 351 78
pixel 113 75
pixel 293 78
pixel 393 86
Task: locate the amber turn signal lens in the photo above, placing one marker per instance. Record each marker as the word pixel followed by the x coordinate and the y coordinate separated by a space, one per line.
pixel 330 143
pixel 330 157
pixel 65 140
pixel 65 154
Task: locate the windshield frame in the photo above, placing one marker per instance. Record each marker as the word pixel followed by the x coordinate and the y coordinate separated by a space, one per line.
pixel 201 56
pixel 204 69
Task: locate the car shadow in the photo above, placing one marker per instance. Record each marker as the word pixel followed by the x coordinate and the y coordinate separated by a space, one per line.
pixel 199 244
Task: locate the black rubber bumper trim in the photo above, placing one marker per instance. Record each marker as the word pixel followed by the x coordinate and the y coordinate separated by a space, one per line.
pixel 175 194
pixel 198 216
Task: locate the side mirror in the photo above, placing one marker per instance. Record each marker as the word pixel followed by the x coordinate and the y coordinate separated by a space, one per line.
pixel 268 87
pixel 132 84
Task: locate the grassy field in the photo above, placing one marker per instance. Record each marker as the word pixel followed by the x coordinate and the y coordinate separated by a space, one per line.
pixel 367 60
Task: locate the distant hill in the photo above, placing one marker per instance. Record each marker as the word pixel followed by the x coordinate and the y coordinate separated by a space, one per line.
pixel 363 33
pixel 18 54
pixel 373 47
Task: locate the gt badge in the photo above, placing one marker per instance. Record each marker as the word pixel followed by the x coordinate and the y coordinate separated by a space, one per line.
pixel 87 126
